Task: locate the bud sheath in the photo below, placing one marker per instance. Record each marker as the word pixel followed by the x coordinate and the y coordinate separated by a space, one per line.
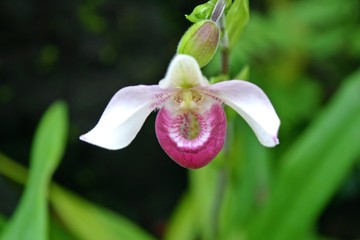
pixel 200 41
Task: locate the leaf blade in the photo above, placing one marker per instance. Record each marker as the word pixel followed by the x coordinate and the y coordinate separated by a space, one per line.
pixel 47 150
pixel 88 221
pixel 236 19
pixel 314 154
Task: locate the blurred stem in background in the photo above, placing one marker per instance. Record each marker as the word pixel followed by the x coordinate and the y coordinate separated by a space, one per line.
pixel 222 176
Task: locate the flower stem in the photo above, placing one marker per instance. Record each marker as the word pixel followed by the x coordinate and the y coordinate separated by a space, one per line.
pixel 218 10
pixel 224 47
pixel 218 199
pixel 222 177
pixel 225 61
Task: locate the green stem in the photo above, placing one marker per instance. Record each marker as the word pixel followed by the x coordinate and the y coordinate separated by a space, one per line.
pixel 218 199
pixel 225 51
pixel 225 61
pixel 222 181
pixel 218 10
pixel 223 172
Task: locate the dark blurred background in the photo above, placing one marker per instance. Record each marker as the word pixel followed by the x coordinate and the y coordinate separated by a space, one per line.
pixel 83 52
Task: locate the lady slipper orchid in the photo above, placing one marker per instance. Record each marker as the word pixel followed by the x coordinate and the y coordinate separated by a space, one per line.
pixel 191 123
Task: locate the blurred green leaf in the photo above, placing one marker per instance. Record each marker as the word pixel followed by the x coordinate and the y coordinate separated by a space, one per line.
pixel 30 220
pixel 203 186
pixel 2 222
pixel 88 15
pixel 12 170
pixel 49 54
pixel 49 144
pixel 313 168
pixel 88 221
pixel 73 209
pixel 354 46
pixel 305 94
pixel 183 224
pixel 248 180
pixel 303 30
pixel 197 214
pixel 236 19
pixel 58 231
pixel 244 73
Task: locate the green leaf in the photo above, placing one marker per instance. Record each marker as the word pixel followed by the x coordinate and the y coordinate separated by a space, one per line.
pixel 58 231
pixel 244 74
pixel 201 12
pixel 30 220
pixel 248 179
pixel 88 221
pixel 183 224
pixel 313 168
pixel 204 11
pixel 2 222
pixel 236 19
pixel 12 170
pixel 73 209
pixel 203 186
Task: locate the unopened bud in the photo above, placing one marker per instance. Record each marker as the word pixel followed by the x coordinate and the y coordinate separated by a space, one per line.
pixel 200 41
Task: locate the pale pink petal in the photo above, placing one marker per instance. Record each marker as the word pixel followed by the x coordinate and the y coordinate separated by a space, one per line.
pixel 253 105
pixel 191 139
pixel 124 116
pixel 183 72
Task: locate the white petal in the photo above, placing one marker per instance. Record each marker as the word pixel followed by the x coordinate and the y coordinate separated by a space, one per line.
pixel 253 105
pixel 124 116
pixel 183 72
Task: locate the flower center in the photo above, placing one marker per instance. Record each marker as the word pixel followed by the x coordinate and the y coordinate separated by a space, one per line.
pixel 189 125
pixel 188 99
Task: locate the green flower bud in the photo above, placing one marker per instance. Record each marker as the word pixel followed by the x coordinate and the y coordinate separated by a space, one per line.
pixel 200 41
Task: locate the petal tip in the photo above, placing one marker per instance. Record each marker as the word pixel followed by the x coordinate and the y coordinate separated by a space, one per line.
pixel 271 142
pixel 83 137
pixel 276 141
pixel 103 144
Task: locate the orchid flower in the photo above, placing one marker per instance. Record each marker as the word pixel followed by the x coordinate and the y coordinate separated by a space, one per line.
pixel 191 122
